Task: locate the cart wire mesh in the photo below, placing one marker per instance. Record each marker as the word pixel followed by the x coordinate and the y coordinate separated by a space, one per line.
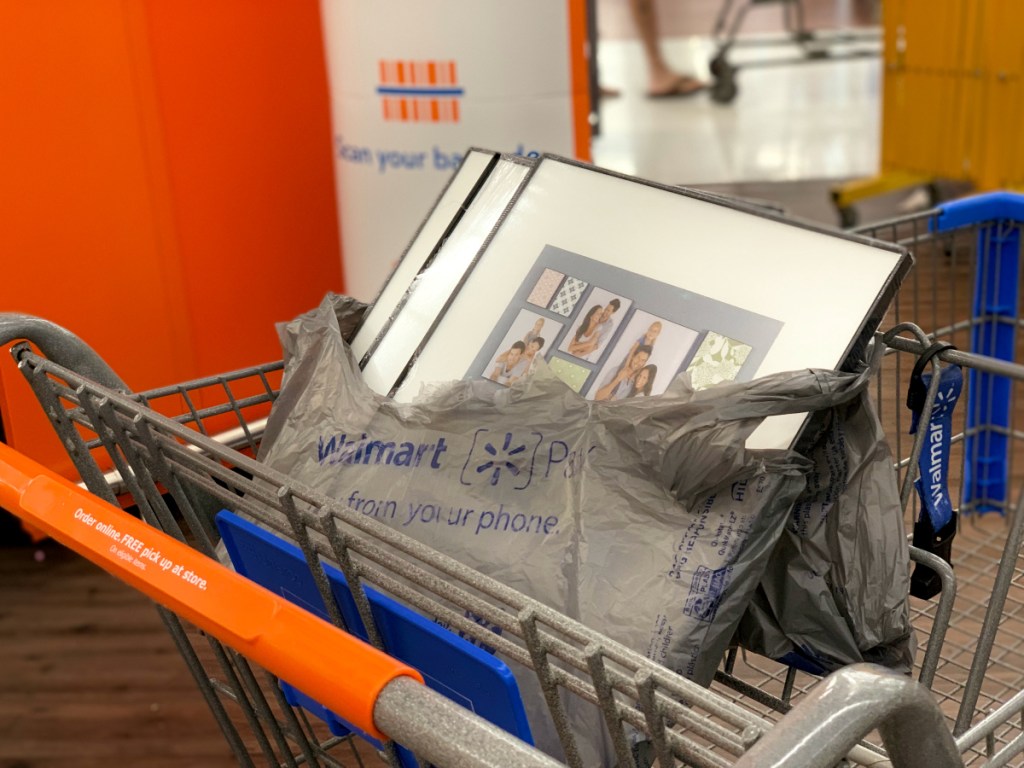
pixel 179 478
pixel 178 470
pixel 963 288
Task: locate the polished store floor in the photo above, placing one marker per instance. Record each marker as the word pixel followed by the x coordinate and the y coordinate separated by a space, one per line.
pixel 812 121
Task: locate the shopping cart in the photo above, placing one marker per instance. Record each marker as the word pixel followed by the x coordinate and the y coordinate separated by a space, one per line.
pixel 811 46
pixel 965 287
pixel 181 471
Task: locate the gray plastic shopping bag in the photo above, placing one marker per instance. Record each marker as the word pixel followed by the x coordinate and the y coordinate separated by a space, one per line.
pixel 835 589
pixel 645 519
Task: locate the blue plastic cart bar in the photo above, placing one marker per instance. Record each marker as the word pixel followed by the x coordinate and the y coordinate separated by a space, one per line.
pixel 998 217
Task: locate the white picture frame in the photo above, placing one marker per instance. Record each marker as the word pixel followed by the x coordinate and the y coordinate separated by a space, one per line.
pixel 412 318
pixel 811 296
pixel 457 193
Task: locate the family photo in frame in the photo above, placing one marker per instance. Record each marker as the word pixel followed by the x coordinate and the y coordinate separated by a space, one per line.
pixel 611 345
pixel 740 293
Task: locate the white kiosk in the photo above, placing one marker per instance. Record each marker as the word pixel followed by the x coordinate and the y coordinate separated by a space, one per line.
pixel 414 85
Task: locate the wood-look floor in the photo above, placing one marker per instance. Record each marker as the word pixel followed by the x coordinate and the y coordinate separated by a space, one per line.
pixel 88 674
pixel 90 677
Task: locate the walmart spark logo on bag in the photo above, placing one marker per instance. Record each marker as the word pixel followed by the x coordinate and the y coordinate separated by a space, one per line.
pixel 419 91
pixel 501 456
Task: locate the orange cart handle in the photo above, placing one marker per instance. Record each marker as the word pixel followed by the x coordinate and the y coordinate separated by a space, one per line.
pixel 332 666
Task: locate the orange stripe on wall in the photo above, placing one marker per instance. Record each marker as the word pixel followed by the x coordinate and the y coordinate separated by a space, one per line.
pixel 580 78
pixel 432 73
pixel 455 111
pixel 383 72
pixel 401 71
pixel 452 79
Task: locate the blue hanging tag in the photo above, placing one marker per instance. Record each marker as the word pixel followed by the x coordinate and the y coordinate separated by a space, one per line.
pixel 932 485
pixel 935 530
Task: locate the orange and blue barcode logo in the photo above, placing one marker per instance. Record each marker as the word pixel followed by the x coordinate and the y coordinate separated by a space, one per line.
pixel 420 91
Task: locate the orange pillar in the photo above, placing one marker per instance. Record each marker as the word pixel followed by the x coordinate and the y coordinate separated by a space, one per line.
pixel 168 191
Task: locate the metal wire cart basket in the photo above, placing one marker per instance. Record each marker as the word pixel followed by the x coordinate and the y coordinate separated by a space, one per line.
pixel 288 689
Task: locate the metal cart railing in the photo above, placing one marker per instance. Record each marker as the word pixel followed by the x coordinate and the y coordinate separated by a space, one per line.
pixel 811 46
pixel 965 288
pixel 177 471
pixel 178 477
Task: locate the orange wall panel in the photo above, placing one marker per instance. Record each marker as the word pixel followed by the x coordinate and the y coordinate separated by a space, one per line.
pixel 167 189
pixel 77 233
pixel 244 110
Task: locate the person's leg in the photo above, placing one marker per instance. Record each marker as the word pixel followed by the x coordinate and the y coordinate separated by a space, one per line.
pixel 662 80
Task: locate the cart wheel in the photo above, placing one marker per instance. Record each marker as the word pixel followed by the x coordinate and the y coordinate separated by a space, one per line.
pixel 718 64
pixel 848 217
pixel 724 89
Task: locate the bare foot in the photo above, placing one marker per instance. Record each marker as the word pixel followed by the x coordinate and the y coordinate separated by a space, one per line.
pixel 675 86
